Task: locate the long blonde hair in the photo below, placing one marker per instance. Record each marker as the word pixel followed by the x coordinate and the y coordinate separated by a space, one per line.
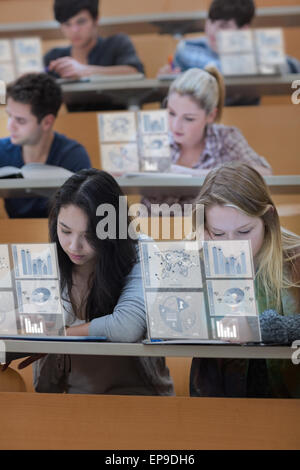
pixel 205 87
pixel 278 260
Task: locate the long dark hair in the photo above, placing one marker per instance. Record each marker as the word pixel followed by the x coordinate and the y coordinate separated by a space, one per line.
pixel 115 257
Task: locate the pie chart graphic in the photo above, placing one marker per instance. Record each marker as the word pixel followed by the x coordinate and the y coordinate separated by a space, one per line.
pixel 40 295
pixel 176 314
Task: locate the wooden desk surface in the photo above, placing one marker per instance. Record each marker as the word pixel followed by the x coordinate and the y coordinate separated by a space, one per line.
pixel 52 421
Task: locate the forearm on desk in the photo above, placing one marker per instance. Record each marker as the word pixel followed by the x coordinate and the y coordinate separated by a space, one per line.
pixel 111 70
pixel 78 330
pixel 127 322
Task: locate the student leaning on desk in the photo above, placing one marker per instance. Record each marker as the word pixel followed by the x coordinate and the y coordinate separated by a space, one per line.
pixel 89 53
pixel 202 51
pixel 33 102
pixel 238 206
pixel 198 142
pixel 102 295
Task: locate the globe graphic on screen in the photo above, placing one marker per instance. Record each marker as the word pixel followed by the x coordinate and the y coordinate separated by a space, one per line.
pixel 234 296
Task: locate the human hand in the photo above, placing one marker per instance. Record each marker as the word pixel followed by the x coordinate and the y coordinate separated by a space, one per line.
pixel 67 67
pixel 78 330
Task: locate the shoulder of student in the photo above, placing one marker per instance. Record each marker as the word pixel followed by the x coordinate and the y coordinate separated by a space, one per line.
pixel 72 154
pixel 227 133
pixel 115 50
pixel 56 53
pixel 7 152
pixel 233 140
pixel 198 42
pixel 116 39
pixel 6 144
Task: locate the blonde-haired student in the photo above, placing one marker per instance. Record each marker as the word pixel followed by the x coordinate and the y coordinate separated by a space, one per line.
pixel 238 206
pixel 195 104
pixel 199 142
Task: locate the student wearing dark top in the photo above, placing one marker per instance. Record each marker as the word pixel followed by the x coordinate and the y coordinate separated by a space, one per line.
pixel 202 51
pixel 89 54
pixel 33 102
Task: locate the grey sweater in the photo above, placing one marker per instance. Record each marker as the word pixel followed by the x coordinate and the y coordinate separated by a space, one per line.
pixel 109 374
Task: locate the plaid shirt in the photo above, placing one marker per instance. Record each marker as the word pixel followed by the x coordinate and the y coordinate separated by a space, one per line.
pixel 223 144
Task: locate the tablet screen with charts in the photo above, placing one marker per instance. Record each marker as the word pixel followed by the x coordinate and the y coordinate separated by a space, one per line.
pixel 199 291
pixel 30 291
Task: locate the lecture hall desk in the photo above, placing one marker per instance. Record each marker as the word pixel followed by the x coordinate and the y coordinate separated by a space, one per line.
pixel 51 421
pixel 62 421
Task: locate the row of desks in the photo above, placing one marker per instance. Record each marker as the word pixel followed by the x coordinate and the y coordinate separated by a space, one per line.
pixel 65 421
pixel 26 346
pixel 140 184
pixel 175 23
pixel 135 92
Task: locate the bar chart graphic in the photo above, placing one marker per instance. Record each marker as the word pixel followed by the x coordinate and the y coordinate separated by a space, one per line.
pixel 227 332
pixel 31 326
pixel 241 329
pixel 228 265
pixel 30 298
pixel 36 261
pixel 225 259
pixel 36 266
pixel 200 291
pixel 154 122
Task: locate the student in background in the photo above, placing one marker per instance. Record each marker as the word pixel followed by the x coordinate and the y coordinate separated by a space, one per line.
pixel 202 51
pixel 238 206
pixel 198 143
pixel 89 53
pixel 33 102
pixel 102 294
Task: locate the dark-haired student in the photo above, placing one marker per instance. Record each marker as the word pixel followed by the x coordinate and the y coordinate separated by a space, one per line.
pixel 102 293
pixel 202 51
pixel 33 102
pixel 89 53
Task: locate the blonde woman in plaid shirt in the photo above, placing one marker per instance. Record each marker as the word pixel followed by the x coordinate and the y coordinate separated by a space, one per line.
pixel 199 143
pixel 195 106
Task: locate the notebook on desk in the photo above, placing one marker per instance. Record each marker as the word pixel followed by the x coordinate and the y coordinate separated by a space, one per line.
pixel 30 299
pixel 199 292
